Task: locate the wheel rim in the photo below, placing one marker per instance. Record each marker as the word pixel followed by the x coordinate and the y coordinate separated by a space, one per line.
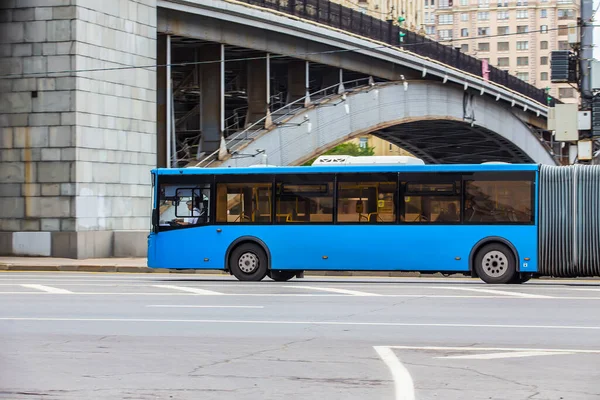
pixel 495 263
pixel 248 263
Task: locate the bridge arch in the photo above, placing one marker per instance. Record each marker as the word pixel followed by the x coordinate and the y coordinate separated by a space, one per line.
pixel 441 123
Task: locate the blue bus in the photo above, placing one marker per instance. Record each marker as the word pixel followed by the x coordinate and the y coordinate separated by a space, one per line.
pixel 503 223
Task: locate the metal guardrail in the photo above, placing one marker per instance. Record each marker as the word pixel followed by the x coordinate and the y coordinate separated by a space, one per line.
pixel 284 113
pixel 347 19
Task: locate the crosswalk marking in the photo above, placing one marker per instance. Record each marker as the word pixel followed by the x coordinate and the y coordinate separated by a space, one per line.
pixel 189 289
pixel 48 289
pixel 335 290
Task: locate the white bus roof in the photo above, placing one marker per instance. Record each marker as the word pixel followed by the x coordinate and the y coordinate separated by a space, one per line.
pixel 367 160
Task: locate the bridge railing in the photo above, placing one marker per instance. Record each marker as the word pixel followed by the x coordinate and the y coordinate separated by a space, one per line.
pixel 347 19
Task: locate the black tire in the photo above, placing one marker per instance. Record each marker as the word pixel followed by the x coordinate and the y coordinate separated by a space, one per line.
pixel 495 263
pixel 248 262
pixel 519 279
pixel 282 276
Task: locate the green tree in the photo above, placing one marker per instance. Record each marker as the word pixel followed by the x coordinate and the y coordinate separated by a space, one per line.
pixel 346 149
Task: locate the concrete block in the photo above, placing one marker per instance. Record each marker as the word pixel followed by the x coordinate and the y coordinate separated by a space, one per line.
pixel 51 155
pixel 49 49
pixel 11 65
pixel 16 103
pixel 50 207
pixel 43 3
pixel 23 85
pixel 64 12
pixel 43 13
pixel 31 189
pixel 10 190
pixel 10 155
pixel 5 241
pixel 35 32
pixel 130 243
pixel 66 83
pixel 23 14
pixel 56 101
pixel 64 244
pixel 50 189
pixel 50 224
pixel 12 172
pixel 5 51
pixel 61 136
pixel 6 138
pixel 22 50
pixel 44 119
pixel 65 47
pixel 12 32
pixel 45 84
pixel 58 30
pixel 10 225
pixel 67 118
pixel 6 15
pixel 67 189
pixel 32 244
pixel 35 64
pixel 37 49
pixel 59 63
pixel 31 224
pixel 54 172
pixel 12 207
pixel 67 224
pixel 31 154
pixel 36 136
pixel 69 154
pixel 17 119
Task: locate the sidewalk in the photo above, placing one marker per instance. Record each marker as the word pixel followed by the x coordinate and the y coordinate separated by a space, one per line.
pixel 138 265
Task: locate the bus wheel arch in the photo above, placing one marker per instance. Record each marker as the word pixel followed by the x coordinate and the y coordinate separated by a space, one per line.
pixel 245 241
pixel 501 250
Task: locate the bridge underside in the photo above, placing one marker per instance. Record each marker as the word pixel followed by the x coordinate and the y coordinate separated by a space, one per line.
pixel 452 142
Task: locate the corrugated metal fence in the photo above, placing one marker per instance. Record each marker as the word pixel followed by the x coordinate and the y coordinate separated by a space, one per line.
pixel 569 221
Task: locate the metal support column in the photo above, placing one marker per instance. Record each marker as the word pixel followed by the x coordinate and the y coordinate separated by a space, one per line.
pixel 341 88
pixel 169 115
pixel 307 84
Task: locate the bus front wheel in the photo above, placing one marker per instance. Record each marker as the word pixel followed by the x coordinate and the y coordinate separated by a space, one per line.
pixel 495 263
pixel 248 262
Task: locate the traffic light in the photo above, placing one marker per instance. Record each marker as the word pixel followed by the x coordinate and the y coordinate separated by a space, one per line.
pixel 596 116
pixel 548 97
pixel 401 19
pixel 563 66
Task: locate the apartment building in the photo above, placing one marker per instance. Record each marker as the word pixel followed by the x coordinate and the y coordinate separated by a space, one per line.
pixel 514 35
pixel 380 146
pixel 412 10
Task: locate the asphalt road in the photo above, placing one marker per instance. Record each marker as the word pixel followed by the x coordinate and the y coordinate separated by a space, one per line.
pixel 152 336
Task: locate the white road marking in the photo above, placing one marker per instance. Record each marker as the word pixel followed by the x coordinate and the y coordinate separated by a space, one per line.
pixel 48 289
pixel 332 323
pixel 335 290
pixel 494 291
pixel 474 349
pixel 510 354
pixel 198 306
pixel 189 289
pixel 405 389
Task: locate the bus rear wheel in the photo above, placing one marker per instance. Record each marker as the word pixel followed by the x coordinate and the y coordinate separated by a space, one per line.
pixel 495 263
pixel 248 262
pixel 282 276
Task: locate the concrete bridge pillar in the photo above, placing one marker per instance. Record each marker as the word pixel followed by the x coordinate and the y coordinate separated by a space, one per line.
pixel 212 108
pixel 258 90
pixel 297 80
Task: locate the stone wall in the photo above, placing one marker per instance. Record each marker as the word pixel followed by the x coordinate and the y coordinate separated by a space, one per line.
pixel 76 145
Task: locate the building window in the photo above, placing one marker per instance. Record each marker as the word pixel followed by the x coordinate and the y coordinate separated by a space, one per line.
pixel 563 30
pixel 566 93
pixel 503 61
pixel 484 3
pixel 566 14
pixel 363 143
pixel 522 29
pixel 503 3
pixel 495 201
pixel 543 60
pixel 244 202
pixel 544 45
pixel 522 14
pixel 430 30
pixel 464 48
pixel 503 46
pixel 483 16
pixel 522 61
pixel 464 32
pixel 304 199
pixel 464 2
pixel 483 47
pixel 464 17
pixel 369 199
pixel 390 147
pixel 429 18
pixel 445 34
pixel 445 19
pixel 444 4
pixel 523 45
pixel 544 28
pixel 503 30
pixel 544 13
pixel 524 76
pixel 521 3
pixel 483 31
pixel 432 202
pixel 502 15
pixel 563 45
pixel 544 76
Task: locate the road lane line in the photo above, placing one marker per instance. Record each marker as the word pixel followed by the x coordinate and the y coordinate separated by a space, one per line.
pixel 188 289
pixel 48 289
pixel 405 389
pixel 494 291
pixel 510 354
pixel 198 306
pixel 335 290
pixel 332 323
pixel 473 349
